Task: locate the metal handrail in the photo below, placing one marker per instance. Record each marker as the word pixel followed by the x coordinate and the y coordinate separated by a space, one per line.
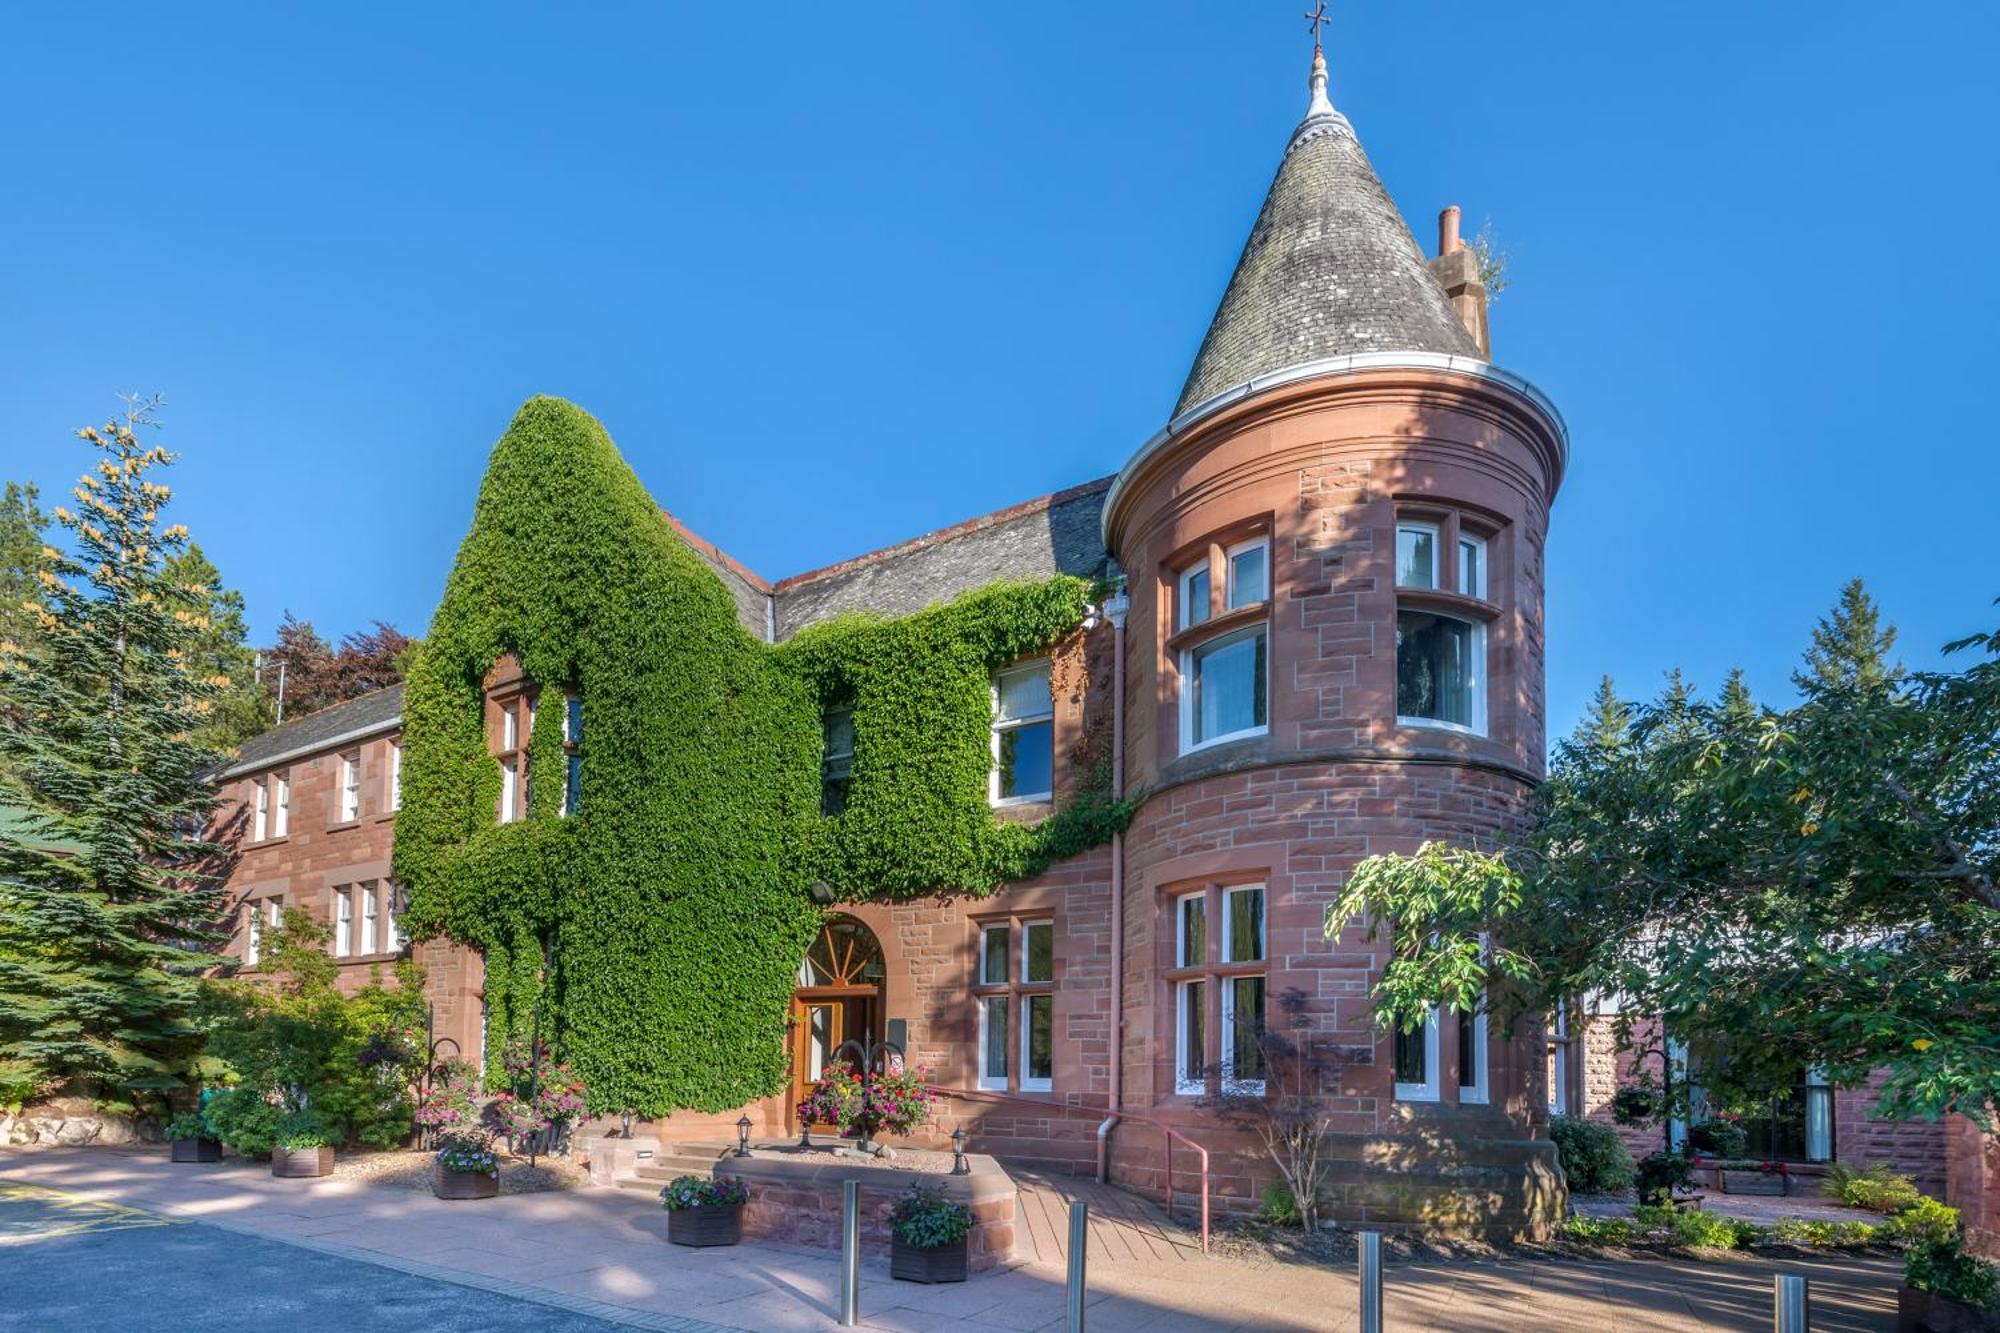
pixel 1172 1135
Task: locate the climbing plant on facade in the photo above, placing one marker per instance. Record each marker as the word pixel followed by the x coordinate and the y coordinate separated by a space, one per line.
pixel 655 934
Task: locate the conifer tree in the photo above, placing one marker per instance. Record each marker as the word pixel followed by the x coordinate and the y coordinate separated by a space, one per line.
pixel 107 891
pixel 221 650
pixel 21 524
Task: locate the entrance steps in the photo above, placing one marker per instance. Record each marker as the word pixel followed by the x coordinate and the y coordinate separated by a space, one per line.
pixel 674 1160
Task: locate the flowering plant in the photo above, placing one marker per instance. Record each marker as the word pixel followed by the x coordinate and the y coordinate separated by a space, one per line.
pixel 863 1105
pixel 926 1220
pixel 448 1103
pixel 469 1151
pixel 702 1192
pixel 542 1095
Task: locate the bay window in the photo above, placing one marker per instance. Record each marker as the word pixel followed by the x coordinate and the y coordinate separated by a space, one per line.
pixel 1471 1056
pixel 1439 680
pixel 1415 1052
pixel 1226 969
pixel 1224 665
pixel 1416 555
pixel 1223 688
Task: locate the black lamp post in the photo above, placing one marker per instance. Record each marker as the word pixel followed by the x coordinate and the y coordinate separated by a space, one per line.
pixel 958 1166
pixel 743 1137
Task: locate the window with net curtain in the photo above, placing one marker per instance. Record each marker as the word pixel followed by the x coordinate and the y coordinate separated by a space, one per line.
pixel 1436 678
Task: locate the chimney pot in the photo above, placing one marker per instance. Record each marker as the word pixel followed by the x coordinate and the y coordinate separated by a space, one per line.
pixel 1449 241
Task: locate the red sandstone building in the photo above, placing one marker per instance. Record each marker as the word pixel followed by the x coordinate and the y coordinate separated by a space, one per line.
pixel 1329 644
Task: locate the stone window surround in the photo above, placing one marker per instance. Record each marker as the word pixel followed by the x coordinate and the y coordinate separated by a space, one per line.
pixel 347 777
pixel 1213 551
pixel 270 800
pixel 254 907
pixel 993 796
pixel 520 696
pixel 1453 523
pixel 392 776
pixel 1211 970
pixel 1016 988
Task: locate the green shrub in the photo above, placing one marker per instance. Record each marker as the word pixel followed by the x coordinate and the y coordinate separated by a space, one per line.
pixel 1659 1174
pixel 1693 1229
pixel 1616 1231
pixel 1945 1268
pixel 926 1220
pixel 1719 1136
pixel 1280 1207
pixel 1879 1188
pixel 188 1125
pixel 305 1129
pixel 1925 1222
pixel 1594 1159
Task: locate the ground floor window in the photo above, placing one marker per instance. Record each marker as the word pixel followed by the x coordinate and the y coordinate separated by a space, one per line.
pixel 1559 1062
pixel 1471 1056
pixel 1416 1059
pixel 1223 968
pixel 1014 1001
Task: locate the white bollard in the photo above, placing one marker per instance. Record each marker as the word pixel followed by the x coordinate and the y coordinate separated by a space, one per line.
pixel 850 1253
pixel 1791 1305
pixel 1371 1282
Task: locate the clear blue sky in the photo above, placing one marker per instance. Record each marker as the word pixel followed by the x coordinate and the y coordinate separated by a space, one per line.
pixel 834 277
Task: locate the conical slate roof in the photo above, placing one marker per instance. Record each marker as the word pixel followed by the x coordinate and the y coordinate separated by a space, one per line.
pixel 1330 269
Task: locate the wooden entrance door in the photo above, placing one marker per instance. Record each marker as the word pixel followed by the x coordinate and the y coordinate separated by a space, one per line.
pixel 839 999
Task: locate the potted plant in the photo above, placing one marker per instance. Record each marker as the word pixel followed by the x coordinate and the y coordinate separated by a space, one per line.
pixel 1743 1176
pixel 193 1140
pixel 928 1236
pixel 303 1146
pixel 895 1100
pixel 703 1211
pixel 467 1167
pixel 1946 1290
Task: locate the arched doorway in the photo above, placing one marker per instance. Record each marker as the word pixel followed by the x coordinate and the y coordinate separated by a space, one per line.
pixel 839 998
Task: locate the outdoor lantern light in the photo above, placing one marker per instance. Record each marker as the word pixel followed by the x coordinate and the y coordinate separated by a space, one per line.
pixel 821 892
pixel 743 1137
pixel 958 1166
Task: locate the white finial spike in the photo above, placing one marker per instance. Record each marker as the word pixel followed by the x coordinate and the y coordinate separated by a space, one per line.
pixel 1319 106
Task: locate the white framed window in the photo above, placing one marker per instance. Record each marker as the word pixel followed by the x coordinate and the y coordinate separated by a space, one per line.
pixel 260 824
pixel 1038 951
pixel 993 1042
pixel 1249 567
pixel 343 922
pixel 995 944
pixel 510 789
pixel 1242 924
pixel 392 917
pixel 1223 689
pixel 1024 733
pixel 281 813
pixel 1191 996
pixel 1558 1028
pixel 1416 555
pixel 350 786
pixel 1472 565
pixel 510 727
pixel 1471 1072
pixel 1440 671
pixel 1037 1041
pixel 1416 1060
pixel 1192 593
pixel 368 919
pixel 253 934
pixel 1243 941
pixel 395 775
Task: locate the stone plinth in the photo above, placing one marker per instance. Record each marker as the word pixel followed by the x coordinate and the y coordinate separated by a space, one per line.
pixel 797 1199
pixel 613 1157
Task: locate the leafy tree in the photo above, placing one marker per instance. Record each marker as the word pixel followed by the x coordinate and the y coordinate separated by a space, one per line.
pixel 106 889
pixel 243 708
pixel 21 527
pixel 1785 888
pixel 316 674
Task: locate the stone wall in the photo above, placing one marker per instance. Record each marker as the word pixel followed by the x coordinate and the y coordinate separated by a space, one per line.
pixel 1914 1147
pixel 1972 1182
pixel 800 1204
pixel 73 1122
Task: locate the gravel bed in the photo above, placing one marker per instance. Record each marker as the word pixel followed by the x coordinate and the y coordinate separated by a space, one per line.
pixel 413 1171
pixel 895 1159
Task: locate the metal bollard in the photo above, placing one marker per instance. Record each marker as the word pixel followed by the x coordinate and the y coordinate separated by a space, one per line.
pixel 1079 1249
pixel 1791 1305
pixel 1371 1282
pixel 850 1253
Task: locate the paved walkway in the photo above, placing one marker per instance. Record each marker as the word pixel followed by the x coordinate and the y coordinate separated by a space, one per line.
pixel 603 1253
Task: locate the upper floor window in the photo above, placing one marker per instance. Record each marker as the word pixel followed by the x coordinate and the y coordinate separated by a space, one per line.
pixel 396 775
pixel 1023 735
pixel 1223 688
pixel 1422 544
pixel 1249 574
pixel 1472 566
pixel 516 726
pixel 1192 593
pixel 1416 555
pixel 350 786
pixel 281 804
pixel 260 823
pixel 572 736
pixel 836 769
pixel 1439 675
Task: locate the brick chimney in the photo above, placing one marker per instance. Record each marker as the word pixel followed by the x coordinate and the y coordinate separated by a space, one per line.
pixel 1457 270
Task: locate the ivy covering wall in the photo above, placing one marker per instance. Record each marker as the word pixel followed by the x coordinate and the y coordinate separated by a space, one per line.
pixel 657 933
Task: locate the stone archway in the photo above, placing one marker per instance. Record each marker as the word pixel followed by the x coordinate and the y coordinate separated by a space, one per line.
pixel 840 996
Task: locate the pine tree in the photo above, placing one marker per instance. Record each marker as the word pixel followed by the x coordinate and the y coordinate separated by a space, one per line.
pixel 244 706
pixel 1608 724
pixel 1850 647
pixel 21 524
pixel 107 891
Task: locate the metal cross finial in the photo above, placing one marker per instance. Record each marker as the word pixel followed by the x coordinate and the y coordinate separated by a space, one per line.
pixel 1317 19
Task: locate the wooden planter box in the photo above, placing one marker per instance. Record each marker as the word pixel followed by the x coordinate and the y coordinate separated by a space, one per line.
pixel 197 1150
pixel 907 1263
pixel 293 1163
pixel 710 1224
pixel 1928 1312
pixel 447 1184
pixel 1752 1182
